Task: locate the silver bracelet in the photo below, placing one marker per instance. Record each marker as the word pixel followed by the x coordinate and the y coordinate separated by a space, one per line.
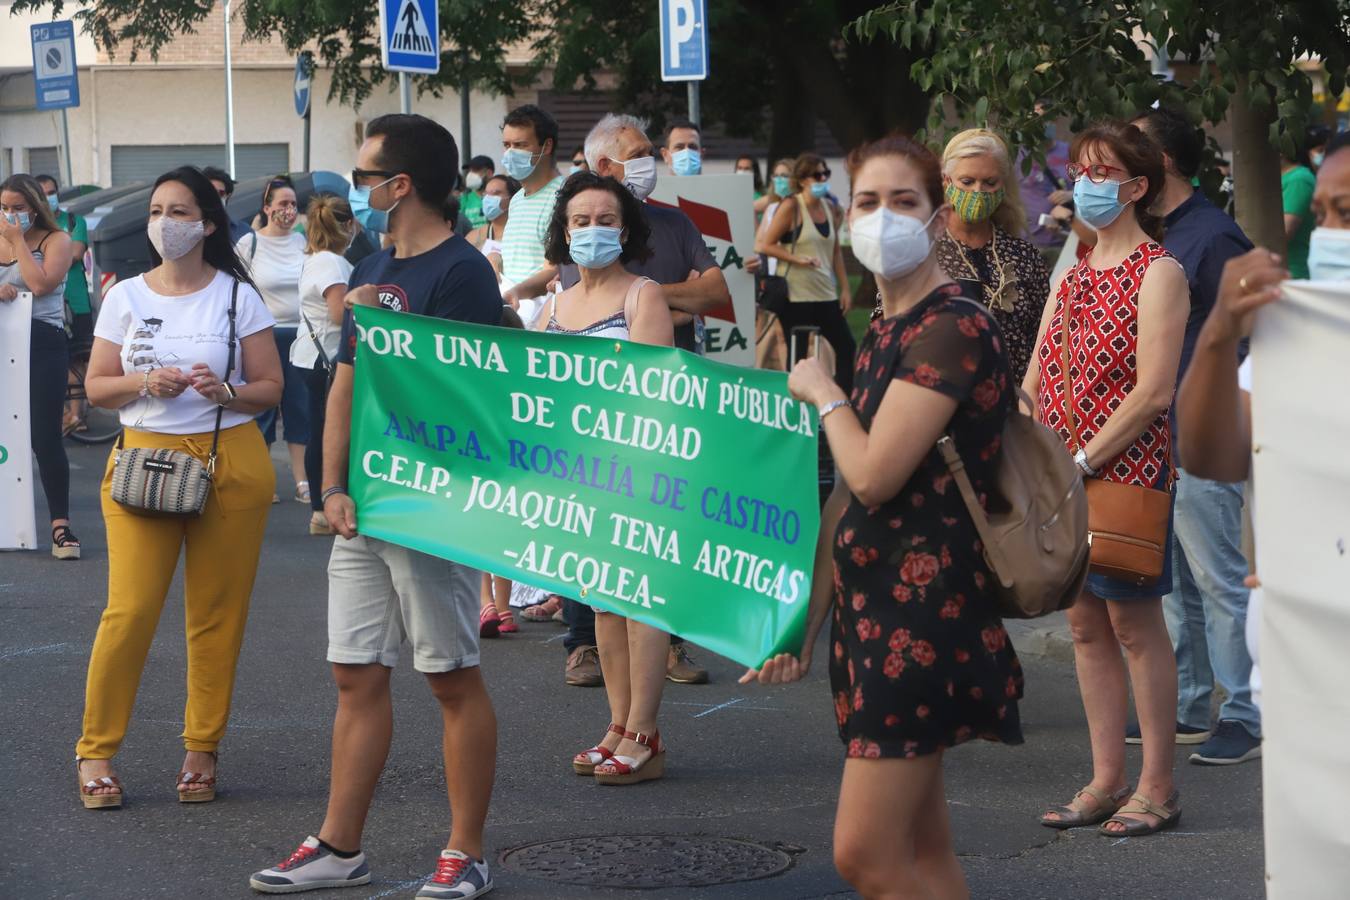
pixel 831 407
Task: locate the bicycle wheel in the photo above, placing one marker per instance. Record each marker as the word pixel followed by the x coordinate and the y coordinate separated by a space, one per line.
pixel 100 426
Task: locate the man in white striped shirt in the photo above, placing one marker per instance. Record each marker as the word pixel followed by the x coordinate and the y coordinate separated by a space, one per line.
pixel 529 154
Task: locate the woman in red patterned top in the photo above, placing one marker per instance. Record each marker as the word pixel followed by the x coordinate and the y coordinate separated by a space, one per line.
pixel 1126 304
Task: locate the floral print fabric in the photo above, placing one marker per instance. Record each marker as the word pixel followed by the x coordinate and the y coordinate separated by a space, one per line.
pixel 919 659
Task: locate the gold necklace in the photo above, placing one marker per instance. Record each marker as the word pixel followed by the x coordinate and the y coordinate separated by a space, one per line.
pixel 1004 296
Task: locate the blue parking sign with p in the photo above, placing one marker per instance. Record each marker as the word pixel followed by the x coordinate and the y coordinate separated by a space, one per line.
pixel 684 40
pixel 410 36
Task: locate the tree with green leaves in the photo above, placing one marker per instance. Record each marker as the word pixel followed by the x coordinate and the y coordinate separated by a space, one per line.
pixel 775 66
pixel 991 61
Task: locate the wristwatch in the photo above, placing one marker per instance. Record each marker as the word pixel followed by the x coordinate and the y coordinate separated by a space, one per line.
pixel 145 385
pixel 229 389
pixel 1080 458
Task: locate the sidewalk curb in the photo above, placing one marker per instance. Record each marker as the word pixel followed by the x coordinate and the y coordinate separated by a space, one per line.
pixel 1046 637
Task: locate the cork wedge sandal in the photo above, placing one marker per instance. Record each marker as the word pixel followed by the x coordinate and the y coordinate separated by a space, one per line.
pixel 584 763
pixel 91 800
pixel 188 793
pixel 627 770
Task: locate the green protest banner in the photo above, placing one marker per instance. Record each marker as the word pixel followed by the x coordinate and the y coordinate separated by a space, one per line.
pixel 641 480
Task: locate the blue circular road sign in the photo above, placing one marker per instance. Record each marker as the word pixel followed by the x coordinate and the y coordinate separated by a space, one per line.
pixel 304 65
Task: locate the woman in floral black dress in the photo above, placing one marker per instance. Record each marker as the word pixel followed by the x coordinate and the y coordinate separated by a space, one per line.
pixel 919 659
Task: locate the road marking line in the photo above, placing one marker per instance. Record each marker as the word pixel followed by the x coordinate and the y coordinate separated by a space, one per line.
pixel 401 886
pixel 33 651
pixel 556 637
pixel 708 712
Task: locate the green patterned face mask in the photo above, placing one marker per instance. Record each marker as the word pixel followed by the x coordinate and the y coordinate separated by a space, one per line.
pixel 974 206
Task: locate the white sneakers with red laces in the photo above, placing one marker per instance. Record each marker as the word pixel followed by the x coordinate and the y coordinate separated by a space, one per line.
pixel 457 878
pixel 310 867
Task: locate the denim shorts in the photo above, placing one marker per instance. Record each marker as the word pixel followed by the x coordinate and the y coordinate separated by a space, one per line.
pixel 1118 589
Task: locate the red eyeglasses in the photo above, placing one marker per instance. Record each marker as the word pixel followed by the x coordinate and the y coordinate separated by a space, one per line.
pixel 1097 173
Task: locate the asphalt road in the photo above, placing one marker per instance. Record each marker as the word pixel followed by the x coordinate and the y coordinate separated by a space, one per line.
pixel 746 765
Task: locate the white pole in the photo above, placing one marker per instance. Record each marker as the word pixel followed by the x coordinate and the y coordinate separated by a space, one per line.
pixel 229 98
pixel 405 93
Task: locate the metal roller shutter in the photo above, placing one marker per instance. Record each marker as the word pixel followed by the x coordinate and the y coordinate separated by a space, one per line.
pixel 147 162
pixel 44 161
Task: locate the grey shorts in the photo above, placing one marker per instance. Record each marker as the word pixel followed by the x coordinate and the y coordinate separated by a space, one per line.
pixel 380 594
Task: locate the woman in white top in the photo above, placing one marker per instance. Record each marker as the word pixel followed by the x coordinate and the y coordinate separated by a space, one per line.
pixel 599 225
pixel 161 350
pixel 275 254
pixel 497 211
pixel 323 283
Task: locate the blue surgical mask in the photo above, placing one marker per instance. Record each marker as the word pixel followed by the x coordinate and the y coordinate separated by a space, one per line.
pixel 376 220
pixel 686 162
pixel 782 185
pixel 1317 159
pixel 492 207
pixel 23 220
pixel 572 170
pixel 53 202
pixel 1329 254
pixel 1098 204
pixel 820 188
pixel 519 164
pixel 596 246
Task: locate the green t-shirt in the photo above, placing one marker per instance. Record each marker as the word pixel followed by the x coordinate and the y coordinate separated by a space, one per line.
pixel 1297 187
pixel 77 287
pixel 471 205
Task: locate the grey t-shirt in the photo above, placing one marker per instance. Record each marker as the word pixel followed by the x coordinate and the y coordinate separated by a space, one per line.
pixel 677 248
pixel 49 307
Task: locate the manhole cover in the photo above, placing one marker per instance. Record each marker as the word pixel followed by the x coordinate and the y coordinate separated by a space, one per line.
pixel 649 860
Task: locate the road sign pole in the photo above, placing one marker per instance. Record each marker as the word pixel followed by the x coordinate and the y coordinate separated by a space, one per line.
pixel 229 98
pixel 65 136
pixel 695 113
pixel 405 93
pixel 307 115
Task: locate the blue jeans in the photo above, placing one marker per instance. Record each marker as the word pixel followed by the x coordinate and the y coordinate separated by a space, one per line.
pixel 1207 610
pixel 294 398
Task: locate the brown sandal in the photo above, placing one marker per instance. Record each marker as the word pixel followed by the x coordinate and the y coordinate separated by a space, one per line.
pixel 99 801
pixel 204 794
pixel 584 763
pixel 1169 814
pixel 1107 805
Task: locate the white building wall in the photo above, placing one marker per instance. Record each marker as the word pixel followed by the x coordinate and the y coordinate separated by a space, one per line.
pixel 125 105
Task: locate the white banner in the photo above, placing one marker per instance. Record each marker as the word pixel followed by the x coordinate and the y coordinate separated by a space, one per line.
pixel 722 207
pixel 1301 466
pixel 18 530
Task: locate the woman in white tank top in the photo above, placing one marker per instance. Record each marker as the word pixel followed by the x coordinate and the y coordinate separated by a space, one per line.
pixel 599 225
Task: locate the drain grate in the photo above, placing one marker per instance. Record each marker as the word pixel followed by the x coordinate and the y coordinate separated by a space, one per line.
pixel 650 860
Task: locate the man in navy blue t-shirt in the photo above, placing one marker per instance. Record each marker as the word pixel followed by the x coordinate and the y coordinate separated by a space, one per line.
pixel 1207 610
pixel 383 597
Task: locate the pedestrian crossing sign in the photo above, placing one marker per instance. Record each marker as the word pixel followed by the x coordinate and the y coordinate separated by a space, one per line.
pixel 410 36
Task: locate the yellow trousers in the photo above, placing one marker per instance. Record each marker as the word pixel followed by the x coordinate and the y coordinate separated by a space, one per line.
pixel 223 545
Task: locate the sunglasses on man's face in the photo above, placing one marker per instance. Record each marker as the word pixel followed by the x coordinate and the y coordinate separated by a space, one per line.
pixel 578 162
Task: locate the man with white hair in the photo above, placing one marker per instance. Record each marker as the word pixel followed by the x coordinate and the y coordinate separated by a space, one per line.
pixel 618 147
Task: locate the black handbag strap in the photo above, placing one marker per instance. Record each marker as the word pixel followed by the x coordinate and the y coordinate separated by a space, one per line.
pixel 229 369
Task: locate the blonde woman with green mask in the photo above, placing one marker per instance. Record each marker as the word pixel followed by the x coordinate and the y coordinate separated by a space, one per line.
pixel 984 248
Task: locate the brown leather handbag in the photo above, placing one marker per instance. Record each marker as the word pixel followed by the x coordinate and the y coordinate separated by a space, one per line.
pixel 1127 523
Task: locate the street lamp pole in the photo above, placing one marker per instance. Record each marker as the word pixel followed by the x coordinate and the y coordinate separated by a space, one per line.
pixel 229 98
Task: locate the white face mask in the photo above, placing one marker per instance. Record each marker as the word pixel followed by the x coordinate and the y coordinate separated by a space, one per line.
pixel 639 176
pixel 174 238
pixel 891 244
pixel 473 181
